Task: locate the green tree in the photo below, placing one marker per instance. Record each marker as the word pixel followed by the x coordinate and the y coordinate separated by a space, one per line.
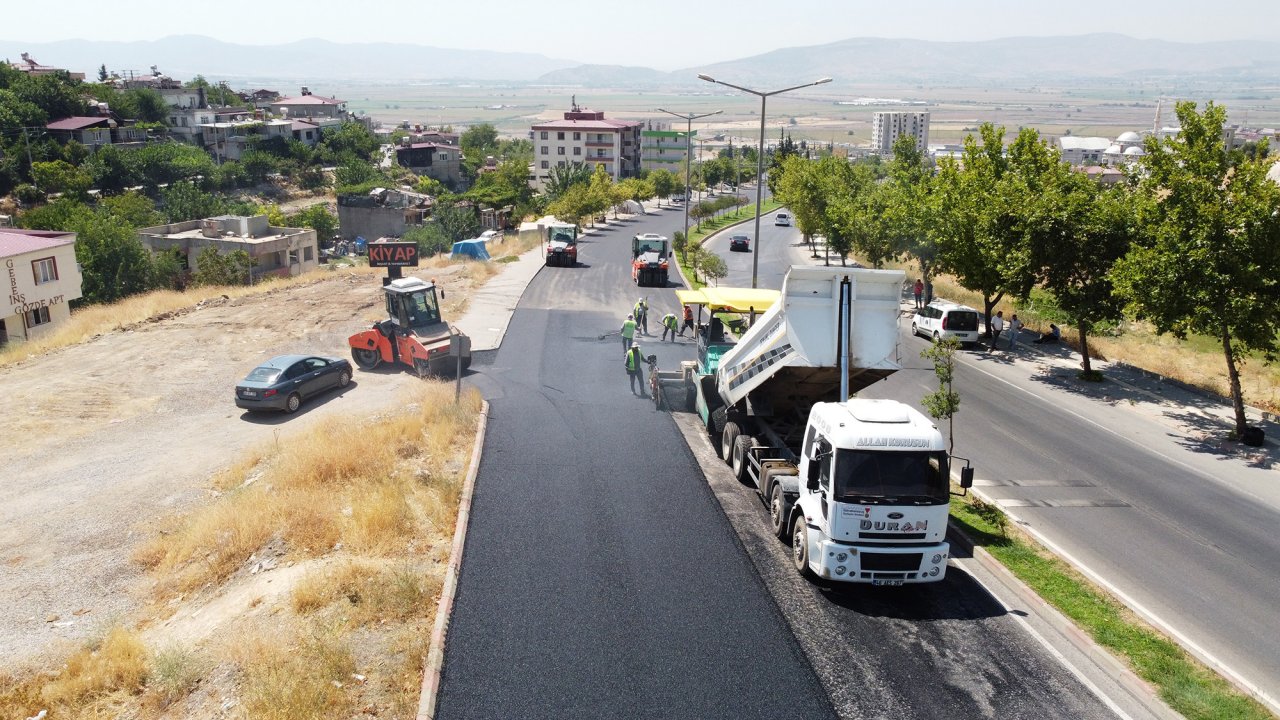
pixel 102 72
pixel 1209 262
pixel 214 268
pixel 349 138
pixel 908 208
pixel 562 177
pixel 133 208
pixel 354 173
pixel 459 222
pixel 113 169
pixel 714 267
pixel 147 105
pixel 258 165
pixel 664 183
pixel 169 162
pixel 572 205
pixel 183 201
pixel 318 218
pixel 65 214
pixel 61 176
pixel 482 139
pixel 431 239
pixel 113 261
pixel 1078 231
pixel 943 403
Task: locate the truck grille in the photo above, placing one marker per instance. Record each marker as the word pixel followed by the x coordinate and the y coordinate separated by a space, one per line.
pixel 892 562
pixel 890 536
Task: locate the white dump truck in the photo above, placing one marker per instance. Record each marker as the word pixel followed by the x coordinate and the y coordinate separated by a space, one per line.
pixel 860 487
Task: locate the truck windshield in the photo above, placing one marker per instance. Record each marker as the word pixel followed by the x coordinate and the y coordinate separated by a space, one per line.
pixel 882 477
pixel 564 235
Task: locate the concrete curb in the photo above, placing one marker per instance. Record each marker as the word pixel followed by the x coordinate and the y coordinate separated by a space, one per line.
pixel 435 655
pixel 1067 629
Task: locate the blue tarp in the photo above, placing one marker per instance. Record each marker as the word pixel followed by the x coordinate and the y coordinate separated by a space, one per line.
pixel 474 249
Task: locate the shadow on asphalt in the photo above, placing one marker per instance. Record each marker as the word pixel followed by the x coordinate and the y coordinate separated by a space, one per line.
pixel 279 417
pixel 958 597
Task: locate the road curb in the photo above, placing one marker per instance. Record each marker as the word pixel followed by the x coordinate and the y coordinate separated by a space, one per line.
pixel 435 654
pixel 1138 688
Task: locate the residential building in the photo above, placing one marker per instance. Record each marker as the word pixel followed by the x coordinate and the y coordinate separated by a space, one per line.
pixel 442 162
pixel 381 213
pixel 261 99
pixel 43 278
pixel 31 67
pixel 309 105
pixel 305 132
pixel 663 148
pixel 886 126
pixel 184 123
pixel 585 136
pixel 96 131
pixel 229 140
pixel 1083 150
pixel 277 250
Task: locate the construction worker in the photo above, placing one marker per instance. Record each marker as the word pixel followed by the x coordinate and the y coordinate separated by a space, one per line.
pixel 635 369
pixel 641 312
pixel 628 332
pixel 688 321
pixel 670 325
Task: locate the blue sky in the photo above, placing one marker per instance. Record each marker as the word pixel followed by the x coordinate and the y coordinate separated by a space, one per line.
pixel 663 34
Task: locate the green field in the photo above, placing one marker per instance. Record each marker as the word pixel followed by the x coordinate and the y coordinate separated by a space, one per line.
pixel 1103 109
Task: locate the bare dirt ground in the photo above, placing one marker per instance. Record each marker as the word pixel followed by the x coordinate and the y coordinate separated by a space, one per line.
pixel 105 439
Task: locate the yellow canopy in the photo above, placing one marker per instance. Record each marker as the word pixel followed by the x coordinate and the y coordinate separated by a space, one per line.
pixel 691 297
pixel 740 300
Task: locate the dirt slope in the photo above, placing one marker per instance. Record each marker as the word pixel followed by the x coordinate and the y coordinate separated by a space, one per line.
pixel 103 439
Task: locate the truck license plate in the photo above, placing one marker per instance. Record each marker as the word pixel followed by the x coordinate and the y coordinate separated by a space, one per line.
pixel 890 583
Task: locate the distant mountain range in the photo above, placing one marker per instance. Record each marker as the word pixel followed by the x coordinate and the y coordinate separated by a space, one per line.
pixel 857 61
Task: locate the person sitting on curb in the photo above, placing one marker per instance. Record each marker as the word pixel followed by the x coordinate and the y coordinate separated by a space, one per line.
pixel 1054 335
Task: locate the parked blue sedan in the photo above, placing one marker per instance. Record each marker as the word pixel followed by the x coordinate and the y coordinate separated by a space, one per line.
pixel 283 382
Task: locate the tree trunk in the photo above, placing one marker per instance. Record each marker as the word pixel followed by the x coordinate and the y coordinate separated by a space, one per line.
pixel 987 306
pixel 1084 347
pixel 926 275
pixel 1233 375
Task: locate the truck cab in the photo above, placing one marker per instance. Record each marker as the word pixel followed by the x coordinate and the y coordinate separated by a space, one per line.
pixel 874 495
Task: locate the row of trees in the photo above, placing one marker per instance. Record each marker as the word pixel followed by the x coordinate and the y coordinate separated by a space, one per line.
pixel 1189 242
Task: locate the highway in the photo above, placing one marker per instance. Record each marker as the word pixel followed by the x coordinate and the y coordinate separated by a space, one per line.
pixel 1142 497
pixel 602 577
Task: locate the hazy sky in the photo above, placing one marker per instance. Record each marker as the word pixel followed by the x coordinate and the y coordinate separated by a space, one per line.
pixel 662 34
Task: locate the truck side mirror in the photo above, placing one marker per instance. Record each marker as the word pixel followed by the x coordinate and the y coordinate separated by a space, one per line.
pixel 814 470
pixel 966 477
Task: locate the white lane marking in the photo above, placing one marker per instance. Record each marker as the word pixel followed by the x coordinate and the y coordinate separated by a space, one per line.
pixel 1195 649
pixel 1129 440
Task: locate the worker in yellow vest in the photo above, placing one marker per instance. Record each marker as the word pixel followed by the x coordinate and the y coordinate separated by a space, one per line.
pixel 670 325
pixel 635 369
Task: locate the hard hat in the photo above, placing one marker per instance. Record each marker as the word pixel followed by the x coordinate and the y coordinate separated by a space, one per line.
pixel 630 317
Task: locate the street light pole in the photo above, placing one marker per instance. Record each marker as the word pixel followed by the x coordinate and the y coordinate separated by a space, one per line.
pixel 755 256
pixel 688 154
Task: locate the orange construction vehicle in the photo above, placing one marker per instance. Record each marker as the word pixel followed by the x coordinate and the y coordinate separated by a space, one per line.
pixel 414 333
pixel 650 255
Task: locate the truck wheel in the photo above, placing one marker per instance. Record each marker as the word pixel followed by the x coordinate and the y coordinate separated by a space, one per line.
pixel 366 359
pixel 739 463
pixel 779 511
pixel 727 439
pixel 800 547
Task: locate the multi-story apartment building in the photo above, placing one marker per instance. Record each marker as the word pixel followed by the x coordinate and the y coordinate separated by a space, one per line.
pixel 661 147
pixel 887 126
pixel 42 277
pixel 585 136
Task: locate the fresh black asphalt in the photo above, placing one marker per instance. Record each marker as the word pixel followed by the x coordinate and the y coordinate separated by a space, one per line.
pixel 602 578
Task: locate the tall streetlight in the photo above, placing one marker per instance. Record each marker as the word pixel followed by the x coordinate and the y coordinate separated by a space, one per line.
pixel 688 153
pixel 755 256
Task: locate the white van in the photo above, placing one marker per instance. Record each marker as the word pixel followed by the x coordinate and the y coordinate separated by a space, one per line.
pixel 782 219
pixel 942 319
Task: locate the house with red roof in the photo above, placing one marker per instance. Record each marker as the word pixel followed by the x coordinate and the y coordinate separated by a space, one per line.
pixel 31 67
pixel 94 131
pixel 586 136
pixel 309 105
pixel 41 278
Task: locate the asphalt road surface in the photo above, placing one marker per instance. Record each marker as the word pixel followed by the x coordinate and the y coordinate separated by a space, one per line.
pixel 602 578
pixel 1164 516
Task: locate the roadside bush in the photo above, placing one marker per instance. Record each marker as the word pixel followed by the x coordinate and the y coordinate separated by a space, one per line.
pixel 431 239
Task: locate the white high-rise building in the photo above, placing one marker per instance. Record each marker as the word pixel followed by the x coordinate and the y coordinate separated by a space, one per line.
pixel 887 126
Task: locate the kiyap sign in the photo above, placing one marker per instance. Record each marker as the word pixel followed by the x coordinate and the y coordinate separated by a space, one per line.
pixel 400 254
